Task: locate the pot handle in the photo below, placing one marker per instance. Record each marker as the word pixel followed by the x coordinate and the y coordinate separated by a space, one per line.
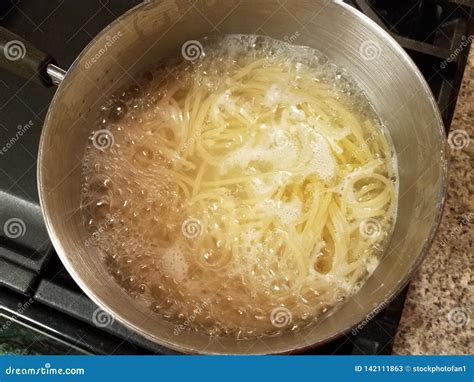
pixel 20 57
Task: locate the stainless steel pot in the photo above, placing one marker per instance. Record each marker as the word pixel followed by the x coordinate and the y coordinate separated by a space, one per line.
pixel 158 29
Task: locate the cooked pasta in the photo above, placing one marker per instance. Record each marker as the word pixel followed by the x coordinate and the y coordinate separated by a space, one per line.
pixel 254 182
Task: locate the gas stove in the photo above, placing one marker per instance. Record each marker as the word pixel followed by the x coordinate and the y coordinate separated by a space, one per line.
pixel 37 295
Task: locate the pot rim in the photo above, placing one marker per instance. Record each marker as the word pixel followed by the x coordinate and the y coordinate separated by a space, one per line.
pixel 440 199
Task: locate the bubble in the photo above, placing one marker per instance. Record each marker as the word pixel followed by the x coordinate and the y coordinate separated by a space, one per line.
pixel 193 262
pixel 117 111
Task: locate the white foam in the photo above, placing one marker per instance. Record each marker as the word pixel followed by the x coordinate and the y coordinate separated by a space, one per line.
pixel 173 261
pixel 287 213
pixel 322 161
pixel 264 153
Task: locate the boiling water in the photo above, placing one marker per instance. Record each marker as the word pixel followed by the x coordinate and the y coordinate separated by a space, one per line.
pixel 242 192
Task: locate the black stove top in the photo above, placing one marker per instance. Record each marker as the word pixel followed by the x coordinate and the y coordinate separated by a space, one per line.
pixel 35 289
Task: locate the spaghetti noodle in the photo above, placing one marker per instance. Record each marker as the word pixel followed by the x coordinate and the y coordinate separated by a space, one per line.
pixel 255 178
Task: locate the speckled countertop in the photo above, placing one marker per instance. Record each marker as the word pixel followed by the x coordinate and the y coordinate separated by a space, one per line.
pixel 437 318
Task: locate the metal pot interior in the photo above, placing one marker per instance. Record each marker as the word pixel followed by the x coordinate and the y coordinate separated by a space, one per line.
pixel 157 30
